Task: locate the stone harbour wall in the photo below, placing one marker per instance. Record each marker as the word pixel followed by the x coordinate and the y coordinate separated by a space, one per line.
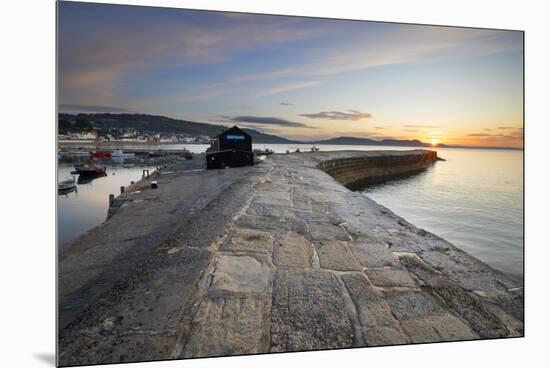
pixel 354 172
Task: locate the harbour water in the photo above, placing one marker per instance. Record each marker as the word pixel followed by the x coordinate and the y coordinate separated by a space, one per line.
pixel 81 210
pixel 474 199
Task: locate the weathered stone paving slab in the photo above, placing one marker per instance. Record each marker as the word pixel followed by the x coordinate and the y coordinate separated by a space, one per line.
pixel 229 324
pixel 248 240
pixel 444 327
pixel 456 299
pixel 390 277
pixel 308 312
pixel 282 259
pixel 335 255
pixel 378 325
pixel 372 253
pixel 241 274
pixel 323 231
pixel 293 250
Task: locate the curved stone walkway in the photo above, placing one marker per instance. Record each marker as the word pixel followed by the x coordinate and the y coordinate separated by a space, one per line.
pixel 295 262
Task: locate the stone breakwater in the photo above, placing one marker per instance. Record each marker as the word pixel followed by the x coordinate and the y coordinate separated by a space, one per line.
pixel 280 257
pixel 355 170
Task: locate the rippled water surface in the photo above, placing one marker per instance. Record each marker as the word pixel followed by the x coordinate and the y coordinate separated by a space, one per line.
pixel 474 200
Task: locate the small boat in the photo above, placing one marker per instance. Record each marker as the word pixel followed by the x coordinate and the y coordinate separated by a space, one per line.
pixel 120 153
pixel 67 185
pixel 88 178
pixel 79 153
pixel 89 169
pixel 185 155
pixel 264 152
pixel 101 154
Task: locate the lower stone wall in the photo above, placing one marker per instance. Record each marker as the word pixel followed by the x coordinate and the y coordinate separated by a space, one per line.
pixel 354 172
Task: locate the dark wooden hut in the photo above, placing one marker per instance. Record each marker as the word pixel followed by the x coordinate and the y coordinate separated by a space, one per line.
pixel 232 148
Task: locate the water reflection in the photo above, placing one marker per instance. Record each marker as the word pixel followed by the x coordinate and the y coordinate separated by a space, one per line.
pixel 86 206
pixel 474 200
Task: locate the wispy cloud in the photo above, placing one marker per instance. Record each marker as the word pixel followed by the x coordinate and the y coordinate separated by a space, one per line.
pixel 509 128
pixel 228 87
pixel 352 115
pixel 90 108
pixel 401 44
pixel 422 126
pixel 286 104
pixel 285 87
pixel 483 135
pixel 97 58
pixel 266 120
pixel 513 139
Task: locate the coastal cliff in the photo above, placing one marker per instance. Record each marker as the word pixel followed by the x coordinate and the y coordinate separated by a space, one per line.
pixel 276 257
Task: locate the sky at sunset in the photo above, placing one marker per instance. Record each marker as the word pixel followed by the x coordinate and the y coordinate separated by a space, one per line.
pixel 300 78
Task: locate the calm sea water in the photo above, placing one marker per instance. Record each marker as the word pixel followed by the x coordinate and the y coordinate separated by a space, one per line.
pixel 85 208
pixel 474 199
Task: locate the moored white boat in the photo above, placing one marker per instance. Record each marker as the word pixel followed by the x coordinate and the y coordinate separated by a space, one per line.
pixel 120 153
pixel 66 185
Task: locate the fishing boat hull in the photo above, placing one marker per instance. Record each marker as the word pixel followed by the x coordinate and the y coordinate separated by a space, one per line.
pixel 88 178
pixel 66 186
pixel 89 170
pixel 102 154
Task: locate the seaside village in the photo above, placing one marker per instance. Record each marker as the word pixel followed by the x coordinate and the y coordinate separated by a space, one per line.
pixel 131 136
